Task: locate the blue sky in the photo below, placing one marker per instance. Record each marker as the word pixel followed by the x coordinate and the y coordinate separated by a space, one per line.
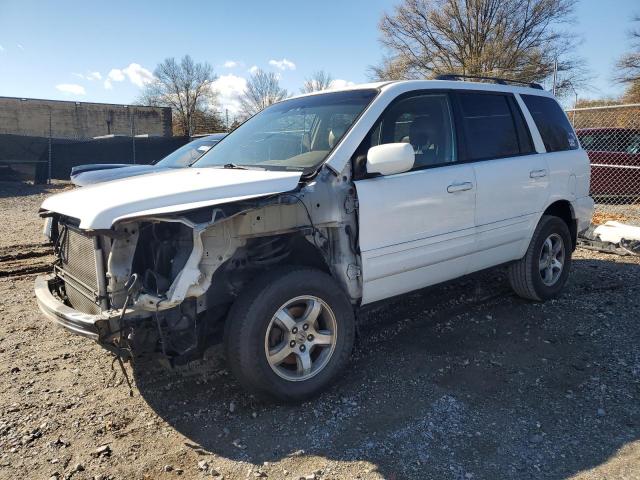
pixel 104 51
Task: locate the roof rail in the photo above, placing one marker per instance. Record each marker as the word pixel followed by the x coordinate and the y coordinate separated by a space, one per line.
pixel 500 81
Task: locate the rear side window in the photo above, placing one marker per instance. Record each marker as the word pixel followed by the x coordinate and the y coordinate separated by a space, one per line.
pixel 492 129
pixel 552 123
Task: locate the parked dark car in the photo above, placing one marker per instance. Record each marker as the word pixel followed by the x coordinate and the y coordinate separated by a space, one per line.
pixel 184 156
pixel 614 154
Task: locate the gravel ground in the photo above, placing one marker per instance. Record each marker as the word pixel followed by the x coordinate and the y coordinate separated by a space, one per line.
pixel 459 381
pixel 629 214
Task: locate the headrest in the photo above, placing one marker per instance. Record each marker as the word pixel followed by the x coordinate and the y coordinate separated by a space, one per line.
pixel 420 130
pixel 335 134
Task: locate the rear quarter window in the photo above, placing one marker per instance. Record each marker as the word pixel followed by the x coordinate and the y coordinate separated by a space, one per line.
pixel 552 123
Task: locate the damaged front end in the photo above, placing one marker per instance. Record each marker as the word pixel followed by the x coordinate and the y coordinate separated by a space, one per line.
pixel 165 282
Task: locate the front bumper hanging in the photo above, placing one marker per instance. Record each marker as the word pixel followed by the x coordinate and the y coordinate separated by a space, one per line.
pixel 97 327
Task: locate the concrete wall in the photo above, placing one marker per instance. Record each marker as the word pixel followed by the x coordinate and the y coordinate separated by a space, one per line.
pixel 79 119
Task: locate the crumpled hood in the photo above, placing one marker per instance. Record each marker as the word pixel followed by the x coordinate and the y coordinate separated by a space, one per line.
pixel 100 206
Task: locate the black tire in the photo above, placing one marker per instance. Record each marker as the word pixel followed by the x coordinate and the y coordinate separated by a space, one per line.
pixel 525 276
pixel 251 315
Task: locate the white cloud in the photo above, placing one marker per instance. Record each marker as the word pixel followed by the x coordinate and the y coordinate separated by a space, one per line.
pixel 136 73
pixel 229 88
pixel 231 64
pixel 253 70
pixel 116 75
pixel 339 83
pixel 19 45
pixel 1 48
pixel 283 64
pixel 89 76
pixel 71 88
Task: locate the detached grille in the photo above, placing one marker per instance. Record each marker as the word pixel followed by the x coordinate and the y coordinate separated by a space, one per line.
pixel 78 270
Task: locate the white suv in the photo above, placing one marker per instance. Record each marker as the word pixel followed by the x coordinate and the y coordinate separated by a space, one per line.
pixel 312 208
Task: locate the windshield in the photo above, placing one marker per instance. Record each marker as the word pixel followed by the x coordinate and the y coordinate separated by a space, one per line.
pixel 296 134
pixel 187 154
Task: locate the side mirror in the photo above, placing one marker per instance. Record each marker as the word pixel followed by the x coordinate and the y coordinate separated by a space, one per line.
pixel 390 158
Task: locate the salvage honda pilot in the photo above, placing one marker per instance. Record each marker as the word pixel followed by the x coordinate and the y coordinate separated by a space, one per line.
pixel 311 209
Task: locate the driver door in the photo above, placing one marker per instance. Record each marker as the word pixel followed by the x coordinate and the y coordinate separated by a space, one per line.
pixel 417 227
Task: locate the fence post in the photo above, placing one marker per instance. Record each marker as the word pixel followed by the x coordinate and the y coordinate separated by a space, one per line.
pixel 49 158
pixel 133 135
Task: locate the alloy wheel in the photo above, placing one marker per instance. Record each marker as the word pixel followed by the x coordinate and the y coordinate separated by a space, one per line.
pixel 301 338
pixel 552 258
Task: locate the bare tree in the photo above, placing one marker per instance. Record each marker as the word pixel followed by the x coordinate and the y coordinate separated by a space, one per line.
pixel 263 89
pixel 186 88
pixel 628 66
pixel 318 81
pixel 517 39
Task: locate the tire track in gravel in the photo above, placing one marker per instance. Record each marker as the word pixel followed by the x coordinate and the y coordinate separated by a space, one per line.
pixel 25 259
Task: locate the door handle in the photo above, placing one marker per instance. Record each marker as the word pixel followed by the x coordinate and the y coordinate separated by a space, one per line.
pixel 459 187
pixel 537 173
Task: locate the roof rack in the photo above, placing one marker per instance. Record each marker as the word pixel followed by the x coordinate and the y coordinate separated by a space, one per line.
pixel 500 81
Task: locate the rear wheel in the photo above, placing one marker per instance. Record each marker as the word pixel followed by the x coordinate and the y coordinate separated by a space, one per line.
pixel 289 334
pixel 543 271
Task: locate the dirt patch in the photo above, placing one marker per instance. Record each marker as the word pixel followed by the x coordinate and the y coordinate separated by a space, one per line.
pixel 459 381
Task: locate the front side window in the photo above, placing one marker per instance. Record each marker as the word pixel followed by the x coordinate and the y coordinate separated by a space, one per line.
pixel 425 122
pixel 489 126
pixel 295 134
pixel 552 123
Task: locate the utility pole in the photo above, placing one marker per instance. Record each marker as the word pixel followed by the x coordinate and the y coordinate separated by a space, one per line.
pixel 555 75
pixel 226 121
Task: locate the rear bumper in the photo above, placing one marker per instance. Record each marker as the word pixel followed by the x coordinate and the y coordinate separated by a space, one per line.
pixel 583 210
pixel 95 327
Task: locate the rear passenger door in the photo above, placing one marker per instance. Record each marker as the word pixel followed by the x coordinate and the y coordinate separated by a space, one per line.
pixel 512 180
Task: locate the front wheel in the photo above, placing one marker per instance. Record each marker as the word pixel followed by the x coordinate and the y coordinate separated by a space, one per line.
pixel 543 271
pixel 289 333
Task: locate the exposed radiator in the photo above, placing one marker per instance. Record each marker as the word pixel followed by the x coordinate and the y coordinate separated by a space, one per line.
pixel 79 271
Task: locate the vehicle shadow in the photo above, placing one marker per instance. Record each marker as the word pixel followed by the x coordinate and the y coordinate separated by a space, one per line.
pixel 461 380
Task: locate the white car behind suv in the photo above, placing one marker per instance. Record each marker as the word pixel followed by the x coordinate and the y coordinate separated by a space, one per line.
pixel 314 207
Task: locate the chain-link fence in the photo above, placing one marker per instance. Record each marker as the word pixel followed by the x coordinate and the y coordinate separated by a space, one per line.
pixel 42 140
pixel 611 137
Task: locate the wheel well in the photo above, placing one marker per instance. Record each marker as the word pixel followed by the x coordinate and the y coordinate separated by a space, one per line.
pixel 562 209
pixel 305 253
pixel 260 255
